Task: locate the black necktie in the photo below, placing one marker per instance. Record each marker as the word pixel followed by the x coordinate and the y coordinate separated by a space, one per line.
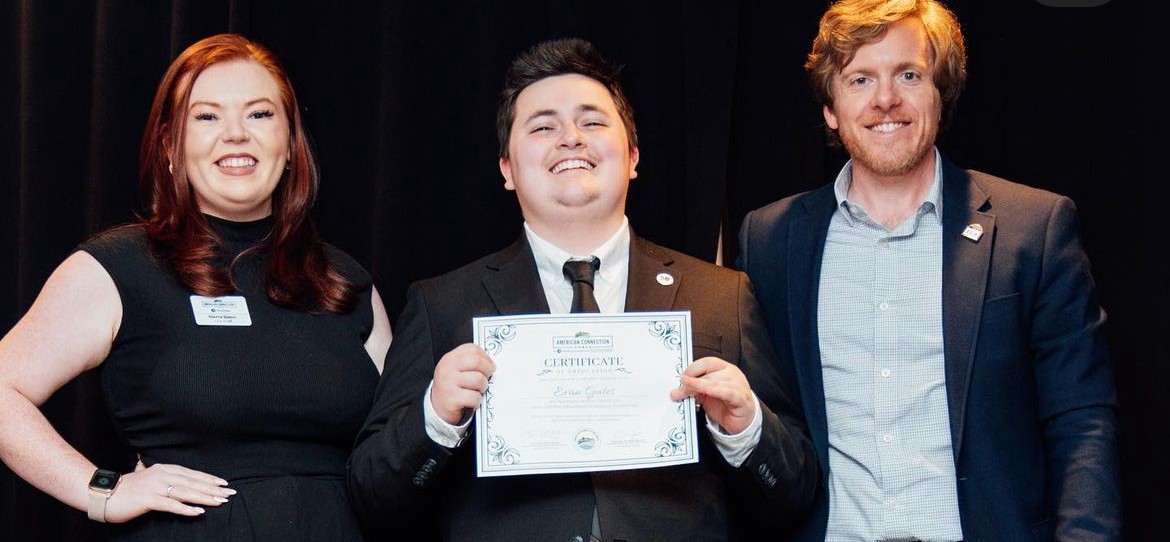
pixel 580 274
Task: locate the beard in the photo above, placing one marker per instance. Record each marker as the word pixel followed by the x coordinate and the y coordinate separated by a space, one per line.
pixel 895 160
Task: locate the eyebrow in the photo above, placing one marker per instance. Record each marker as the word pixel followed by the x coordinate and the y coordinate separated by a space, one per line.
pixel 899 67
pixel 583 108
pixel 216 104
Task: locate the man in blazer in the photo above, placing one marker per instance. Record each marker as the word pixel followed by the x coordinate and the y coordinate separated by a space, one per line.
pixel 942 324
pixel 568 150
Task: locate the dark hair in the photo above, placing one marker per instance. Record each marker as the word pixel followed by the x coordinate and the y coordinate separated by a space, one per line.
pixel 560 57
pixel 849 24
pixel 298 272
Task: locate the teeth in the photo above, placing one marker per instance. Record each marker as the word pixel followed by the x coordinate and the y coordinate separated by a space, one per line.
pixel 571 164
pixel 886 127
pixel 238 161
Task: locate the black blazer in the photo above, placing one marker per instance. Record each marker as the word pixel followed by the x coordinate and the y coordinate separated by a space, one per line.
pixel 1029 390
pixel 405 486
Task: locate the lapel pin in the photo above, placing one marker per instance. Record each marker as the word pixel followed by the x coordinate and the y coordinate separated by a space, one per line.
pixel 973 232
pixel 665 279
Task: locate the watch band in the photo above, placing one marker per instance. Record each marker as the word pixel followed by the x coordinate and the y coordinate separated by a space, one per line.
pixel 101 486
pixel 97 505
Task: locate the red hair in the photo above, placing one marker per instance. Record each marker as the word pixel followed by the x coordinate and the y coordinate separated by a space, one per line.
pixel 298 273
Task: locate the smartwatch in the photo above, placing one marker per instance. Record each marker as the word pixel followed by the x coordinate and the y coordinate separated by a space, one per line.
pixel 101 487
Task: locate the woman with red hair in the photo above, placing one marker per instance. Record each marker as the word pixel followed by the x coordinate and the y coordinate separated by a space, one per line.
pixel 238 353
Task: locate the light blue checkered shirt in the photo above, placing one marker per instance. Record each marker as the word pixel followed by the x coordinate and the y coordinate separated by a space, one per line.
pixel 891 468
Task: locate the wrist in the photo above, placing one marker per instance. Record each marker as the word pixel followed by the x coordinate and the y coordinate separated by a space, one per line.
pixel 102 485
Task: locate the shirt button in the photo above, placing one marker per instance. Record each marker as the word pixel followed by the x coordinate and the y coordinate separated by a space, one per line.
pixel 887 438
pixel 885 373
pixel 883 305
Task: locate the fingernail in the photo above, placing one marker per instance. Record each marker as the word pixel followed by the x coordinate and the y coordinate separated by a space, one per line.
pixel 222 482
pixel 220 499
pixel 230 491
pixel 200 510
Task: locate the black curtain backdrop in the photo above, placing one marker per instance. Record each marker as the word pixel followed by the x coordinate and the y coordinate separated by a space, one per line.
pixel 399 98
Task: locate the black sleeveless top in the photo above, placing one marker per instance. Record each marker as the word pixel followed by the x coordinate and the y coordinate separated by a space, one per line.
pixel 272 407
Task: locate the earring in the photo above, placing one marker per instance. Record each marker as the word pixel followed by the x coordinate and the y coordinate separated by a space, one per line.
pixel 171 167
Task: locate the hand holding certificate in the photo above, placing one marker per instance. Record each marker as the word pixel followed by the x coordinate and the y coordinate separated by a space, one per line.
pixel 584 392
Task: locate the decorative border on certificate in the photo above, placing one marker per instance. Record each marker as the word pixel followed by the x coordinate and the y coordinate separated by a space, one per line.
pixel 584 392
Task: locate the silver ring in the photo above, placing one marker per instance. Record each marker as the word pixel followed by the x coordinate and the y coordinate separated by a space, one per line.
pixel 169 490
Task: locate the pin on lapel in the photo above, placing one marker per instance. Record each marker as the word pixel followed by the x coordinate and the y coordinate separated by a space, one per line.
pixel 973 232
pixel 665 279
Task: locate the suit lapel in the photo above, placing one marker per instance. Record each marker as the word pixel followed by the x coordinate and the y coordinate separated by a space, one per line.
pixel 965 267
pixel 806 248
pixel 515 286
pixel 644 290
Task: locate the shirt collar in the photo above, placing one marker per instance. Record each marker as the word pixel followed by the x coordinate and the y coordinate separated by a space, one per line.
pixel 614 253
pixel 845 179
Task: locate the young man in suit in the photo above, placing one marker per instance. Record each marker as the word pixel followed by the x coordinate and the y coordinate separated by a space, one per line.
pixel 568 149
pixel 944 329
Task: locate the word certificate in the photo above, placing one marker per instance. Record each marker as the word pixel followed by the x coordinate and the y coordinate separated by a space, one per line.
pixel 584 392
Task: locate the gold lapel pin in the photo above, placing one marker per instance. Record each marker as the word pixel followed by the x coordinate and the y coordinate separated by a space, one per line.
pixel 973 232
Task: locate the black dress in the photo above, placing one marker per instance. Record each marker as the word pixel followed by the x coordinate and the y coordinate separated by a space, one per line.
pixel 272 407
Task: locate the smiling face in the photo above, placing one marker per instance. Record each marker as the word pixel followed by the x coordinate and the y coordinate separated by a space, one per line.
pixel 236 142
pixel 885 105
pixel 569 158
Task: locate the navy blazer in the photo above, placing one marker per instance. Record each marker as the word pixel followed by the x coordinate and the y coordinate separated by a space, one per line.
pixel 406 487
pixel 1029 389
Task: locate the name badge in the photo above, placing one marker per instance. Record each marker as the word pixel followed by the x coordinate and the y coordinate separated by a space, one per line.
pixel 973 232
pixel 229 310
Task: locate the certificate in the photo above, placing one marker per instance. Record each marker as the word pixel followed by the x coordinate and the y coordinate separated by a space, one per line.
pixel 584 392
